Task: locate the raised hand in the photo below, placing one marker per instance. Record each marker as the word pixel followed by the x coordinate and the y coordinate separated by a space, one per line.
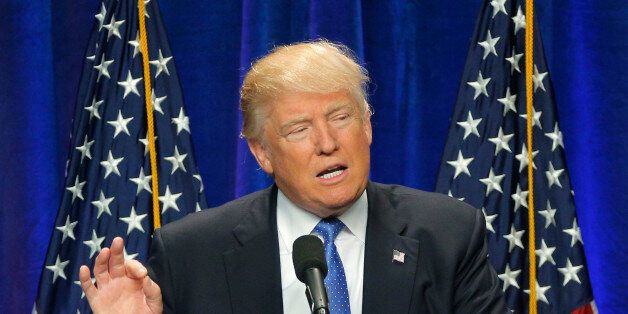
pixel 123 287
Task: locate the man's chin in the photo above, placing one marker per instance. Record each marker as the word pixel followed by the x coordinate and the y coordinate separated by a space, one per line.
pixel 334 207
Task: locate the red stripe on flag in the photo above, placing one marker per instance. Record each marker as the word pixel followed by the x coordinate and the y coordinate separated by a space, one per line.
pixel 585 309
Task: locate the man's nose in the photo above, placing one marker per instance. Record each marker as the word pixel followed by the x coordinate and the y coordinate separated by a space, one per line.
pixel 325 140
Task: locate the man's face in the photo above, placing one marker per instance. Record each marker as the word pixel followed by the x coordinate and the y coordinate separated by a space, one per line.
pixel 317 148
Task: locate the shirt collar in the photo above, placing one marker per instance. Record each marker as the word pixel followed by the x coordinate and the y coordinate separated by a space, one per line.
pixel 293 221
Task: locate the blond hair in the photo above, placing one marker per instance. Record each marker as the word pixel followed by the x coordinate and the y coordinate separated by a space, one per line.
pixel 311 67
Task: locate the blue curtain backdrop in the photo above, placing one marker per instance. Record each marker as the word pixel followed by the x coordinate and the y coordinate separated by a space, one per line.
pixel 414 50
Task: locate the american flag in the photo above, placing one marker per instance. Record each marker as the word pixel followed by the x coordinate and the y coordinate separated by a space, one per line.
pixel 108 182
pixel 485 164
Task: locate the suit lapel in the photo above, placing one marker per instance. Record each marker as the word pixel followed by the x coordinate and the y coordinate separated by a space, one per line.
pixel 388 283
pixel 253 270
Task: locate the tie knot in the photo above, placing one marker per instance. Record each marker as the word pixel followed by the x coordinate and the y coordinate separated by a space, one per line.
pixel 329 228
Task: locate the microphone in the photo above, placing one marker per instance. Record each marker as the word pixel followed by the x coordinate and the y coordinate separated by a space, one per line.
pixel 310 266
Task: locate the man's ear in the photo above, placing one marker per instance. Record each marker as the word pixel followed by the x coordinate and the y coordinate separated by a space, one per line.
pixel 259 150
pixel 367 127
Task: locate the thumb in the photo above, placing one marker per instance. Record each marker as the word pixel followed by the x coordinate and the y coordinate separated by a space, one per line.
pixel 153 295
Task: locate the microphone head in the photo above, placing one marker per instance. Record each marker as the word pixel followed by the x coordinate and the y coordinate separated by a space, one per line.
pixel 308 252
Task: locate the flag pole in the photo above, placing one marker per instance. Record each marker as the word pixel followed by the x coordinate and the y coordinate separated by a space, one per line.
pixel 150 137
pixel 529 63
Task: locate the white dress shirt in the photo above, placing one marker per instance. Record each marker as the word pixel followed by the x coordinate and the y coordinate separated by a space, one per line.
pixel 293 222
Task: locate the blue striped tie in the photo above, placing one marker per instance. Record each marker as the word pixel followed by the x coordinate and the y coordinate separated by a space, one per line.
pixel 336 281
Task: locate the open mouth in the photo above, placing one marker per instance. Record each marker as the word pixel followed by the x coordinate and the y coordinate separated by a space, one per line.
pixel 332 172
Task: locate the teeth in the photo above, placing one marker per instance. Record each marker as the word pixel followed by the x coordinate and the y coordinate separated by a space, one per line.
pixel 332 174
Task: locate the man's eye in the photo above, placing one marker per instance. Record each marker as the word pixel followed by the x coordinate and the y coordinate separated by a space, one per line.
pixel 298 130
pixel 341 117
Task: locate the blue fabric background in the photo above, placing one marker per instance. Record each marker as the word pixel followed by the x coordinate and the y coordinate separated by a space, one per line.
pixel 414 50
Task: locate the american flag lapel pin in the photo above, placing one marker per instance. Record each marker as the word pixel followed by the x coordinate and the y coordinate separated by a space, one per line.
pixel 398 256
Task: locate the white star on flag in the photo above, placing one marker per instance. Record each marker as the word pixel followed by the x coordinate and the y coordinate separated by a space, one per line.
pixel 501 141
pixel 553 175
pixel 514 61
pixel 111 165
pixel 182 122
pixel 103 67
pixel 545 254
pixel 85 149
pixel 77 189
pixel 156 102
pixel 521 198
pixel 470 126
pixel 509 102
pixel 93 108
pixel 177 160
pixel 537 79
pixel 146 2
pixel 133 221
pixel 169 200
pixel 103 204
pixel 540 292
pixel 574 232
pixel 548 214
pixel 130 85
pixel 523 158
pixel 120 124
pixel 113 27
pixel 58 269
pixel 489 220
pixel 142 181
pixel 489 45
pixel 556 137
pixel 67 230
pixel 145 142
pixel 94 244
pixel 101 16
pixel 520 20
pixel 461 164
pixel 514 238
pixel 200 181
pixel 493 182
pixel 570 272
pixel 480 86
pixel 536 117
pixel 509 277
pixel 498 6
pixel 136 44
pixel 161 64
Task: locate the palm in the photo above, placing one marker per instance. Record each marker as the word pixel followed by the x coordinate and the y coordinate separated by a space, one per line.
pixel 121 295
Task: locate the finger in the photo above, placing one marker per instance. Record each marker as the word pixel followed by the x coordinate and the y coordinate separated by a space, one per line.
pixel 101 268
pixel 153 295
pixel 86 283
pixel 116 261
pixel 135 269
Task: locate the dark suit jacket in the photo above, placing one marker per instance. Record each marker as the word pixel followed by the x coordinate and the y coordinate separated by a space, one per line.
pixel 226 259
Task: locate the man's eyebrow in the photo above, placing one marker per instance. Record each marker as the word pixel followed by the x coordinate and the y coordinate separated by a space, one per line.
pixel 339 106
pixel 292 122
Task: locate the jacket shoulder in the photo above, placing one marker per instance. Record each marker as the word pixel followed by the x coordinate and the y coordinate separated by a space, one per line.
pixel 218 222
pixel 413 204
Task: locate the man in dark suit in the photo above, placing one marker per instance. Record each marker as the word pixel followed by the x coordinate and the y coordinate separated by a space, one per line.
pixel 390 249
